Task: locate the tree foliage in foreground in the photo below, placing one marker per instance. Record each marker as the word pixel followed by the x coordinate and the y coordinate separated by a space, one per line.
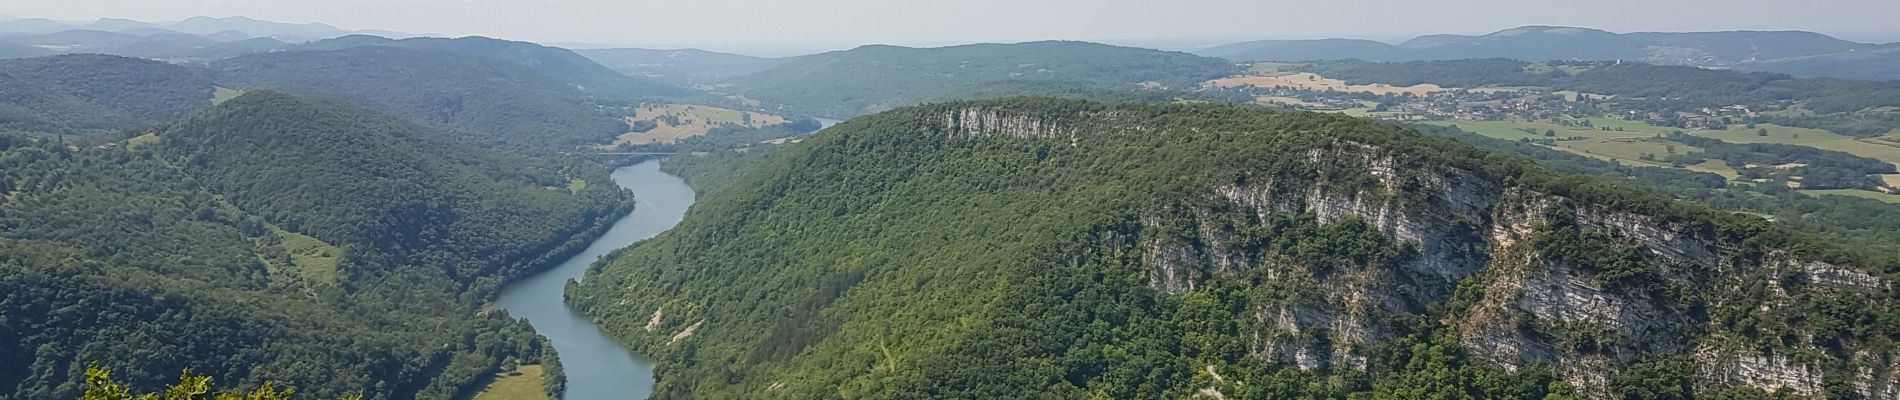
pixel 101 386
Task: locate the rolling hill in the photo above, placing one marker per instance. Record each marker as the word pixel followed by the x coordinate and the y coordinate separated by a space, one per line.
pixel 206 26
pixel 155 44
pixel 557 63
pixel 79 93
pixel 483 99
pixel 1037 248
pixel 874 78
pixel 315 244
pixel 1772 51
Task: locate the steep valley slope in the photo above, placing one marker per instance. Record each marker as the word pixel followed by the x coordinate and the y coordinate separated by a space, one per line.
pixel 1039 248
pixel 322 246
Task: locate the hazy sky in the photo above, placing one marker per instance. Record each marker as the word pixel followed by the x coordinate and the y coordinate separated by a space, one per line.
pixel 796 25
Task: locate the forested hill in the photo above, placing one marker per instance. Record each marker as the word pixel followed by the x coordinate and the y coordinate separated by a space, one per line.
pixel 346 175
pixel 1801 53
pixel 78 93
pixel 1035 248
pixel 321 246
pixel 875 78
pixel 561 64
pixel 487 101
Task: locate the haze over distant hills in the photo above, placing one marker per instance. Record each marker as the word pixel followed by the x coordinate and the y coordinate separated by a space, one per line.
pixel 679 65
pixel 1797 53
pixel 217 27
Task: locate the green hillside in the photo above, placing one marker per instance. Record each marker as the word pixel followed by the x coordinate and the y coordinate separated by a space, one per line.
pixel 1035 248
pixel 320 246
pixel 876 78
pixel 80 93
pixel 558 63
pixel 488 101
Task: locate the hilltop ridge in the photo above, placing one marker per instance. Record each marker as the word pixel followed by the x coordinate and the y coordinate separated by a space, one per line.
pixel 1067 249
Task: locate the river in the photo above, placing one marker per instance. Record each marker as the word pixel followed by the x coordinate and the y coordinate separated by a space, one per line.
pixel 596 366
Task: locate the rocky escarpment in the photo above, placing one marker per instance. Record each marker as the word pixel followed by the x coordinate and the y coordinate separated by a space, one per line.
pixel 1526 306
pixel 1041 248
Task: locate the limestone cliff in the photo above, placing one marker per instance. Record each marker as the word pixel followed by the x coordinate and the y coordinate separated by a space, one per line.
pixel 1458 228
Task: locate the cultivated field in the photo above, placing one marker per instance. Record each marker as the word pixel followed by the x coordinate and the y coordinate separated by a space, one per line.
pixel 1875 148
pixel 673 122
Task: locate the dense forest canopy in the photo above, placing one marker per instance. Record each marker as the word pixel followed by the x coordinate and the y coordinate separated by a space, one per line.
pixel 318 245
pixel 80 93
pixel 1065 249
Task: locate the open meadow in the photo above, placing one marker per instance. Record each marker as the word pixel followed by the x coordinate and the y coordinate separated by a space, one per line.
pixel 667 123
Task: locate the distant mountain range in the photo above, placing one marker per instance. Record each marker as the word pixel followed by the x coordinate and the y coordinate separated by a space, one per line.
pixel 217 28
pixel 1799 53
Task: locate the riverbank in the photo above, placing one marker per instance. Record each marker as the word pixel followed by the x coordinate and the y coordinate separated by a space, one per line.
pixel 596 367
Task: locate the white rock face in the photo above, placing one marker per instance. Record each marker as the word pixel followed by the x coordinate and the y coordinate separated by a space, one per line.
pixel 1768 372
pixel 1457 226
pixel 995 122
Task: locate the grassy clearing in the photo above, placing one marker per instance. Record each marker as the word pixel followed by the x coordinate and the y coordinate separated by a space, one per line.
pixel 142 140
pixel 680 121
pixel 315 260
pixel 576 185
pixel 1865 194
pixel 523 384
pixel 1717 167
pixel 1626 149
pixel 1627 146
pixel 1875 148
pixel 1513 129
pixel 221 94
pixel 1776 134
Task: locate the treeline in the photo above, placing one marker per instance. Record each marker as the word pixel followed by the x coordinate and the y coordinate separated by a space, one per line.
pixel 1818 169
